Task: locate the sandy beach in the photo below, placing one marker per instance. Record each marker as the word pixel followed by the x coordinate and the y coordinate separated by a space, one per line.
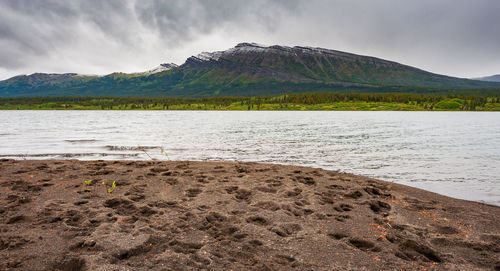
pixel 151 215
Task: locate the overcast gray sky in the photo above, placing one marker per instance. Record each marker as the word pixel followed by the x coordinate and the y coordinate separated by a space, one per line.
pixel 452 37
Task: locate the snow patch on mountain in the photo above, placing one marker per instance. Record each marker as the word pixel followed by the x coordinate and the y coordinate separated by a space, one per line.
pixel 88 75
pixel 163 67
pixel 240 48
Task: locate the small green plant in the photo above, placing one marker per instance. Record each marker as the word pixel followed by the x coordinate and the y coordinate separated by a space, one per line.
pixel 88 182
pixel 113 186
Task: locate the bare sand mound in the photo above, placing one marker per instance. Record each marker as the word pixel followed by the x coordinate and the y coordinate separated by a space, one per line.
pixel 231 216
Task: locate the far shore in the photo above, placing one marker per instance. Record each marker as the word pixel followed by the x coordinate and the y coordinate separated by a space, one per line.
pixel 287 102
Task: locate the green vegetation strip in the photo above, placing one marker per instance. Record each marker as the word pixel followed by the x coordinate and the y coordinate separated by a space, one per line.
pixel 306 101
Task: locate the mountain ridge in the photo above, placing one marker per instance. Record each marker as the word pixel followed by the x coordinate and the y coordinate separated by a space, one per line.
pixel 492 78
pixel 250 69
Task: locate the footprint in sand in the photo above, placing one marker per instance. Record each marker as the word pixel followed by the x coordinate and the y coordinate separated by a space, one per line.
pixel 193 192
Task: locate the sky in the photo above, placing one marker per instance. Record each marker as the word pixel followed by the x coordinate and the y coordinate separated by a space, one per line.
pixel 453 37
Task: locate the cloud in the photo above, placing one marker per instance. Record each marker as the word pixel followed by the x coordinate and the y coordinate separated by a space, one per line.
pixel 456 37
pixel 96 36
pixel 179 21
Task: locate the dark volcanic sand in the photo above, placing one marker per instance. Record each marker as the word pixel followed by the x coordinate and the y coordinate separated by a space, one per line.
pixel 232 216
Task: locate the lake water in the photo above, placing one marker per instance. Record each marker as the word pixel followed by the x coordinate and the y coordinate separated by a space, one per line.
pixel 451 153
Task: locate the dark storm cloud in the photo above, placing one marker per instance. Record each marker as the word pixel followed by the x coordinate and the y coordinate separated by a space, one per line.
pixel 457 37
pixel 181 20
pixel 37 28
pixel 32 31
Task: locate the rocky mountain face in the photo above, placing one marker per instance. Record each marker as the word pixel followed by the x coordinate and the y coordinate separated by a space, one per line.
pixel 251 69
pixel 318 65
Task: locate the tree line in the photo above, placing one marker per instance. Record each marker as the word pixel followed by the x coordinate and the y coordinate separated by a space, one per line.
pixel 428 101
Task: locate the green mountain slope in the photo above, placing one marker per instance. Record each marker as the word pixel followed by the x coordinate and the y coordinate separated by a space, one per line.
pixel 250 69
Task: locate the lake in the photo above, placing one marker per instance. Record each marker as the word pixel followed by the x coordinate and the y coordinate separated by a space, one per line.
pixel 452 153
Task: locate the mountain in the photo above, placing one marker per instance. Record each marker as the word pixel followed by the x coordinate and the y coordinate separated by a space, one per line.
pixel 493 78
pixel 250 69
pixel 163 67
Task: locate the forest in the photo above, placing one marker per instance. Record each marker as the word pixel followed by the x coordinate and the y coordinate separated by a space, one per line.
pixel 305 101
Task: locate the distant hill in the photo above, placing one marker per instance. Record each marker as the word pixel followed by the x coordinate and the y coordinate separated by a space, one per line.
pixel 493 78
pixel 249 69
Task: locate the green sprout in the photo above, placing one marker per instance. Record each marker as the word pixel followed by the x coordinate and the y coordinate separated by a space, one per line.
pixel 88 182
pixel 113 186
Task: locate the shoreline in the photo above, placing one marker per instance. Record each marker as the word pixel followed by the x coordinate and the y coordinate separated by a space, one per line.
pixel 42 157
pixel 296 108
pixel 70 157
pixel 68 215
pixel 262 110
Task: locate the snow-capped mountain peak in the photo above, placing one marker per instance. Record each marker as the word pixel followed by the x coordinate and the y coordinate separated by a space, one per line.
pixel 240 48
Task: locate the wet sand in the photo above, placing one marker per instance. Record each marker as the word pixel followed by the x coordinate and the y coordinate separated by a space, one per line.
pixel 231 216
